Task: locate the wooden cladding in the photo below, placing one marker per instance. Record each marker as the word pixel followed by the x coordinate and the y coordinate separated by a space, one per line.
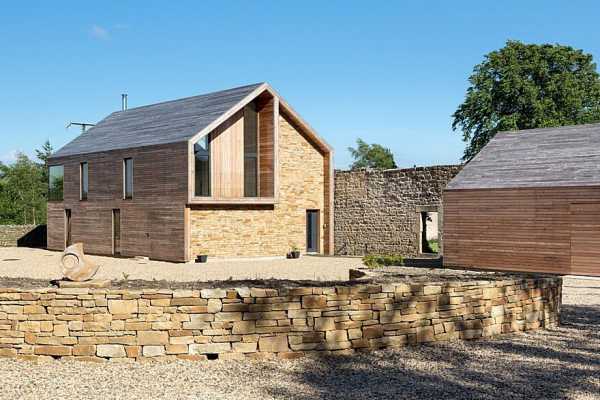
pixel 230 156
pixel 266 143
pixel 554 230
pixel 227 158
pixel 152 223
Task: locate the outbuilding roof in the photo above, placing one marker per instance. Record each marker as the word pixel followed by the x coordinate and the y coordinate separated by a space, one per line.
pixel 161 123
pixel 546 157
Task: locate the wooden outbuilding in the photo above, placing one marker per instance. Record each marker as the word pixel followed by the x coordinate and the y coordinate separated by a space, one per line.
pixel 529 201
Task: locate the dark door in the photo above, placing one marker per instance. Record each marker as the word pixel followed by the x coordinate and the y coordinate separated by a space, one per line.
pixel 67 228
pixel 312 231
pixel 116 232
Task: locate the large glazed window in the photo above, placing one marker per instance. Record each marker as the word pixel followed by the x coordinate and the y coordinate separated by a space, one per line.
pixel 128 178
pixel 55 183
pixel 250 151
pixel 83 184
pixel 202 167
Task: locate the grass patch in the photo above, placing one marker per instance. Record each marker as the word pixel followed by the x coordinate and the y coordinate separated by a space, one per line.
pixel 434 246
pixel 378 260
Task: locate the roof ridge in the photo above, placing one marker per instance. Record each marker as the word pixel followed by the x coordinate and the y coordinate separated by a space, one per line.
pixel 189 97
pixel 560 127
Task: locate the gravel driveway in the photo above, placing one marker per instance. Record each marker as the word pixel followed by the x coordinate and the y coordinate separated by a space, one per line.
pixel 561 363
pixel 43 264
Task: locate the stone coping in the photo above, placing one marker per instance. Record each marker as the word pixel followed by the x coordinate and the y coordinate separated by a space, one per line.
pixel 99 324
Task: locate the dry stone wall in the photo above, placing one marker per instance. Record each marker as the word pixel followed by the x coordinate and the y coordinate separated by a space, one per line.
pixel 10 234
pixel 377 211
pixel 100 324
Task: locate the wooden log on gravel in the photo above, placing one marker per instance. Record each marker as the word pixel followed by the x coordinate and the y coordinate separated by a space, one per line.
pixel 76 266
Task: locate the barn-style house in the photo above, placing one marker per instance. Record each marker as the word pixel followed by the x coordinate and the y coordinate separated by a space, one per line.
pixel 231 173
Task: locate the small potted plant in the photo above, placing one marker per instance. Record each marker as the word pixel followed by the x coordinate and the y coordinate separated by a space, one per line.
pixel 295 252
pixel 202 257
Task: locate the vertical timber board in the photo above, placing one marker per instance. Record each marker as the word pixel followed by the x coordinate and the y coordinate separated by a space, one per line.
pixel 266 147
pixel 227 158
pixel 585 238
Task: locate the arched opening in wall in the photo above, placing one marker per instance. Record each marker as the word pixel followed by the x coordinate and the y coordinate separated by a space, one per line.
pixel 428 230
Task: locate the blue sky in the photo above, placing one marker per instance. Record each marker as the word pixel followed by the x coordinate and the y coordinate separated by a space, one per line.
pixel 388 72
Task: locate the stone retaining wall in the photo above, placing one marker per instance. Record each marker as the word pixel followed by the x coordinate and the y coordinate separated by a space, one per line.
pixel 10 234
pixel 378 211
pixel 99 324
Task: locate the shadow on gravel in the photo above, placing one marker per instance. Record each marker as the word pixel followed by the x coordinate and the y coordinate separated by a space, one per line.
pixel 561 363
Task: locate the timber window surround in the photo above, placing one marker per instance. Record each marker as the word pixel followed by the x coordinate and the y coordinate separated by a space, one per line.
pixel 128 178
pixel 55 182
pixel 202 167
pixel 83 180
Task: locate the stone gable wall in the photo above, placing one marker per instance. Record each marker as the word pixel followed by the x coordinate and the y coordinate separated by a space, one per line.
pixel 251 230
pixel 377 211
pixel 101 324
pixel 9 234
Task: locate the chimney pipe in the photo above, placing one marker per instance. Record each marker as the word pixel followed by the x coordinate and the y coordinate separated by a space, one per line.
pixel 124 101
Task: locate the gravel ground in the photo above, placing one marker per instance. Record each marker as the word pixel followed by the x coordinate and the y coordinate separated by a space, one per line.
pixel 559 363
pixel 43 264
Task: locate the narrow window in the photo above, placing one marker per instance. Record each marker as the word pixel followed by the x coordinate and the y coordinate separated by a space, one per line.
pixel 83 181
pixel 250 151
pixel 202 167
pixel 55 182
pixel 128 178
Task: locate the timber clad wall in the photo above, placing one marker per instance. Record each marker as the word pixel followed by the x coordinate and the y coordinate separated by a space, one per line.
pixel 268 230
pixel 152 223
pixel 553 229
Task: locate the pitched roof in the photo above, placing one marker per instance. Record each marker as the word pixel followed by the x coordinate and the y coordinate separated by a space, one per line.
pixel 167 122
pixel 564 156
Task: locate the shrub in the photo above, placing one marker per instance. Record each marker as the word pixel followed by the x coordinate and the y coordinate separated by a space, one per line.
pixel 378 260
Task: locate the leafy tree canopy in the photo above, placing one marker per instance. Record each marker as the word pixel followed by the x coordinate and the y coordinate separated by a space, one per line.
pixel 524 86
pixel 371 156
pixel 24 188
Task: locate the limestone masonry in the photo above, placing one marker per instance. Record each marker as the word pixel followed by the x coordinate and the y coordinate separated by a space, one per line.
pixel 377 211
pixel 100 324
pixel 9 234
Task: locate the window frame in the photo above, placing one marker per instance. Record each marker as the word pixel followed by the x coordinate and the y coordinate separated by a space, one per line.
pixel 127 196
pixel 62 192
pixel 207 139
pixel 83 196
pixel 253 156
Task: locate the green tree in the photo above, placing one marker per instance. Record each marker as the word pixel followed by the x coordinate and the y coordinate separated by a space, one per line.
pixel 22 192
pixel 524 86
pixel 371 156
pixel 43 155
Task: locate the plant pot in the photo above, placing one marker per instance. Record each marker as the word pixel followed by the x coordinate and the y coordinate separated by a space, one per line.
pixel 295 254
pixel 202 258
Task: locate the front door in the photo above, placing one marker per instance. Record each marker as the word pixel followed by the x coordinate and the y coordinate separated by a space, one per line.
pixel 116 232
pixel 67 228
pixel 312 231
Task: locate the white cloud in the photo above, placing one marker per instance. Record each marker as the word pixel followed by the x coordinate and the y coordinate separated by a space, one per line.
pixel 99 32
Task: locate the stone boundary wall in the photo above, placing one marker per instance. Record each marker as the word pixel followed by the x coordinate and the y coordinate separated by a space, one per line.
pixel 9 234
pixel 377 211
pixel 100 324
